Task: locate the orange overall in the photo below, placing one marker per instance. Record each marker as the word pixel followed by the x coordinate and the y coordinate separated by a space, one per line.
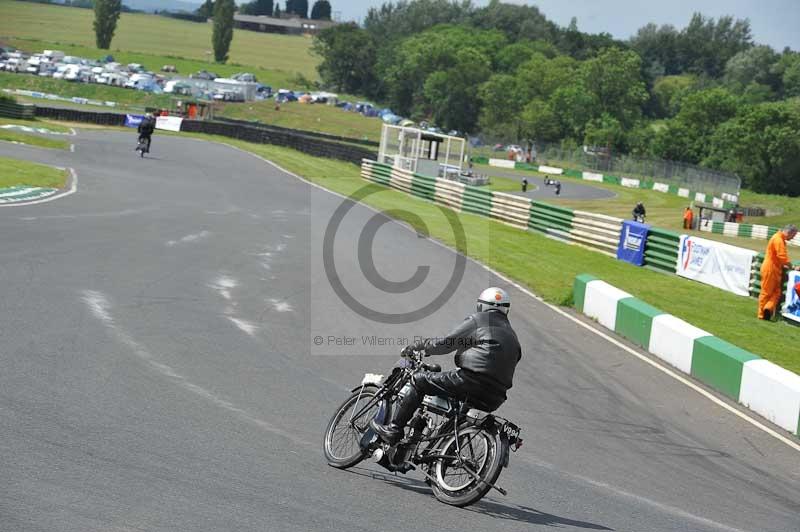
pixel 775 259
pixel 688 215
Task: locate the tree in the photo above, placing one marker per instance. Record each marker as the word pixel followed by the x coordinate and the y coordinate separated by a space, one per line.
pixel 207 9
pixel 574 106
pixel 297 7
pixel 668 91
pixel 106 14
pixel 501 97
pixel 706 45
pixel 392 22
pixel 348 58
pixel 754 65
pixel 762 145
pixel 277 11
pixel 321 10
pixel 539 122
pixel 604 131
pixel 223 28
pixel 518 22
pixel 257 8
pixel 614 78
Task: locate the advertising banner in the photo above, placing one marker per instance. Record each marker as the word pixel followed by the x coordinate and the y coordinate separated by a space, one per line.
pixel 631 242
pixel 715 263
pixel 169 123
pixel 792 309
pixel 133 120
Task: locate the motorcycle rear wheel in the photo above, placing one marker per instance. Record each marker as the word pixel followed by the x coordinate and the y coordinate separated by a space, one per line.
pixel 342 437
pixel 482 452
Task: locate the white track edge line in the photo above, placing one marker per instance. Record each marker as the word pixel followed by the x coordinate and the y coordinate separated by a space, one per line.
pixel 598 332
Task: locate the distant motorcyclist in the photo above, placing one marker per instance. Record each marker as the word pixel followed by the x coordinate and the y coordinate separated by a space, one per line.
pixel 145 129
pixel 639 212
pixel 487 352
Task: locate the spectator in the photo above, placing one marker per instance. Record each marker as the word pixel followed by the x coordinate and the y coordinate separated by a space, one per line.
pixel 688 217
pixel 776 259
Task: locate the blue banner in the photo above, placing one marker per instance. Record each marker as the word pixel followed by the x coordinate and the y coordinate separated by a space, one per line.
pixel 791 310
pixel 133 120
pixel 631 242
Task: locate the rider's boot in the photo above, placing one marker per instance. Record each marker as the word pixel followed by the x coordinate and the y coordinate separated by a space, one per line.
pixel 393 432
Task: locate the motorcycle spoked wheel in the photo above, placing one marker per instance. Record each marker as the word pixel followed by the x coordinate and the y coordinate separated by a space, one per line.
pixel 341 443
pixel 482 452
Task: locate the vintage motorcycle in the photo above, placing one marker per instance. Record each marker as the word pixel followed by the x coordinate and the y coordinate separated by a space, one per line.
pixel 461 450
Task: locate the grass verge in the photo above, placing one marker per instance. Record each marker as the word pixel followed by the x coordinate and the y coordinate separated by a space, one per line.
pixel 9 135
pixel 15 173
pixel 548 267
pixel 35 123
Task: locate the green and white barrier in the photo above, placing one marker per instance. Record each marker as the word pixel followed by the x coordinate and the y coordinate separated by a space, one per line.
pixel 754 231
pixel 758 384
pixel 595 231
pixel 725 201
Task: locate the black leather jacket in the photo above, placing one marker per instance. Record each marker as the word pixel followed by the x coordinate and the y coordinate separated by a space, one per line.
pixel 147 126
pixel 485 345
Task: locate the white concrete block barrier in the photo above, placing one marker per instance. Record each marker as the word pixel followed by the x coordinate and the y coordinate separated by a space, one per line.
pixel 763 387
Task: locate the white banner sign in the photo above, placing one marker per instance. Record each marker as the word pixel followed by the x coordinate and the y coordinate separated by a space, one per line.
pixel 590 176
pixel 169 123
pixel 629 182
pixel 551 170
pixel 715 263
pixel 791 309
pixel 502 163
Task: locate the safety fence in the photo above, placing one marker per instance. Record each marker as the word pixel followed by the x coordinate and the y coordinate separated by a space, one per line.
pixel 596 231
pixel 593 231
pixel 305 132
pixel 725 200
pixel 755 231
pixel 16 110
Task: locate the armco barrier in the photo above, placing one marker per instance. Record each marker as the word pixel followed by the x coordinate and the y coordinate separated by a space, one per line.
pixel 595 231
pixel 758 384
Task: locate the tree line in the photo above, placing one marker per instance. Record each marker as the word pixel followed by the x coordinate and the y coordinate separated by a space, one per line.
pixel 703 94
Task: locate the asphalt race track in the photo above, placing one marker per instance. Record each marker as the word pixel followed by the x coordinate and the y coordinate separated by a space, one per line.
pixel 159 372
pixel 570 188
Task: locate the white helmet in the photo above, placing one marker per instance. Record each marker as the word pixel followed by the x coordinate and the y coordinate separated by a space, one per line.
pixel 494 299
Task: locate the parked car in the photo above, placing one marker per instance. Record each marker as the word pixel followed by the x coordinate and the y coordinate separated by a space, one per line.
pixel 245 77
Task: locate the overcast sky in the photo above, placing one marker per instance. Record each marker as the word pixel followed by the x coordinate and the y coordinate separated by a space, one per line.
pixel 773 22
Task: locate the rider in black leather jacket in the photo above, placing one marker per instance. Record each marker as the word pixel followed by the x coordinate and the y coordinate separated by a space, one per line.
pixel 487 352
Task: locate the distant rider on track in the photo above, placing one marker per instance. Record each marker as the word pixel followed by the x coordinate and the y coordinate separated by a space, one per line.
pixel 146 128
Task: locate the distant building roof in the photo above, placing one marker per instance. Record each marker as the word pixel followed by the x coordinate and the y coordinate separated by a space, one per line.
pixel 294 23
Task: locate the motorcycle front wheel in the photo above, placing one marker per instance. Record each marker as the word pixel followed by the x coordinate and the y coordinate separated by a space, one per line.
pixel 481 452
pixel 343 435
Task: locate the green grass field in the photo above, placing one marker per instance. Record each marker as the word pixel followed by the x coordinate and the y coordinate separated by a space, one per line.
pixel 11 135
pixel 549 267
pixel 162 40
pixel 35 123
pixel 308 117
pixel 22 173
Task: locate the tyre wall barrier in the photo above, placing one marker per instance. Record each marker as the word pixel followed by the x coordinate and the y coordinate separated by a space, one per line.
pixel 312 146
pixel 595 231
pixel 758 384
pixel 290 139
pixel 17 110
pixel 314 134
pixel 78 115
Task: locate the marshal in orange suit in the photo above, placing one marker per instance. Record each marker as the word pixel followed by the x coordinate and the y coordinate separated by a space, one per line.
pixel 775 260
